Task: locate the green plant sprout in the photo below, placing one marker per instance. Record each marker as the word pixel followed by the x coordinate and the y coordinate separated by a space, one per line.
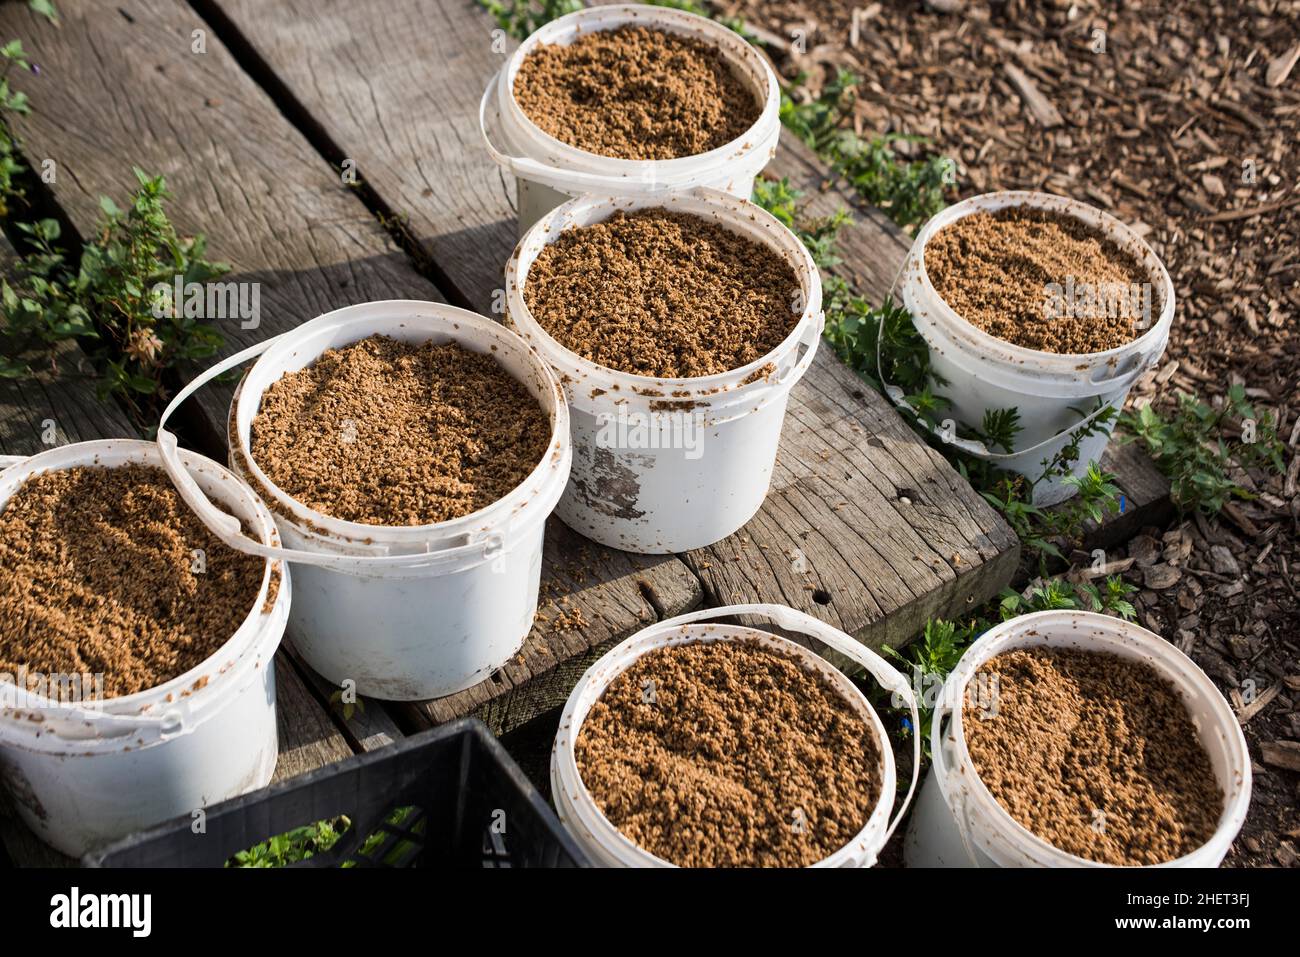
pixel 112 296
pixel 1193 447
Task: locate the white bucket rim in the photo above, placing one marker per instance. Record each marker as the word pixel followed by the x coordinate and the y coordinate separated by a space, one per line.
pixel 1029 631
pixel 1117 231
pixel 240 641
pixel 563 30
pixel 694 627
pixel 703 634
pixel 698 201
pixel 489 515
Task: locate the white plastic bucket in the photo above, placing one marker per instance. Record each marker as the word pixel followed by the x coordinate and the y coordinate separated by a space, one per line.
pixel 958 823
pixel 548 172
pixel 607 846
pixel 1058 395
pixel 697 490
pixel 406 612
pixel 82 775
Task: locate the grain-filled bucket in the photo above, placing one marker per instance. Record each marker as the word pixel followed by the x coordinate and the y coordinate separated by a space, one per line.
pixel 414 611
pixel 716 815
pixel 666 464
pixel 1156 695
pixel 84 769
pixel 1063 396
pixel 549 170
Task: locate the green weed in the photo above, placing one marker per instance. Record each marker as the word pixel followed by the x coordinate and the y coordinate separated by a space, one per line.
pixel 1193 448
pixel 115 295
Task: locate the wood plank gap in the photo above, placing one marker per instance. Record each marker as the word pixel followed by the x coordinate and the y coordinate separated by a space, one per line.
pixel 296 113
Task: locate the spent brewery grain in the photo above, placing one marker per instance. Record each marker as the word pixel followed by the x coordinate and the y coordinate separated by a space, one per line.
pixel 1094 753
pixel 659 293
pixel 1006 273
pixel 109 572
pixel 729 754
pixel 385 432
pixel 635 93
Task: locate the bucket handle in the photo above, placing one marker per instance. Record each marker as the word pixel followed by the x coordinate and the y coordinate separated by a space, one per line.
pixel 9 461
pixel 810 340
pixel 228 528
pixel 886 674
pixel 175 720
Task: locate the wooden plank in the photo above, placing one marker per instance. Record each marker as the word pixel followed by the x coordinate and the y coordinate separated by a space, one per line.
pixel 368 727
pixel 284 220
pixel 121 86
pixel 873 543
pixel 365 77
pixel 62 406
pixel 396 88
pixel 309 738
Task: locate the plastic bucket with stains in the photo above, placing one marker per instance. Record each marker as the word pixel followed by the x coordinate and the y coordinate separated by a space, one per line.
pixel 549 172
pixel 607 846
pixel 1059 396
pixel 667 465
pixel 410 612
pixel 958 823
pixel 84 773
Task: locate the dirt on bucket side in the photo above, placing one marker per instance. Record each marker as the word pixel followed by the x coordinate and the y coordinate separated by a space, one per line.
pixel 1094 753
pixel 635 93
pixel 659 293
pixel 108 572
pixel 393 433
pixel 729 754
pixel 1042 280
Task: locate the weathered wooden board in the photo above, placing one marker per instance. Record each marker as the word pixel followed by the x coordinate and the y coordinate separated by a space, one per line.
pixel 396 88
pixel 122 85
pixel 369 81
pixel 310 242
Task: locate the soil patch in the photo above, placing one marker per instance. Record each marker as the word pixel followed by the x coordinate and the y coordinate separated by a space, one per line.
pixel 1041 280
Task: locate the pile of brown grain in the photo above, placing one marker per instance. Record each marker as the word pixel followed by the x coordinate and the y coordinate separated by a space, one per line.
pixel 728 754
pixel 102 577
pixel 665 294
pixel 1094 753
pixel 635 93
pixel 995 270
pixel 384 432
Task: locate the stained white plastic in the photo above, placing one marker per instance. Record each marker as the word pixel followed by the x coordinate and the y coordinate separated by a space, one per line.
pixel 549 172
pixel 405 612
pixel 958 823
pixel 607 846
pixel 1053 392
pixel 672 499
pixel 84 774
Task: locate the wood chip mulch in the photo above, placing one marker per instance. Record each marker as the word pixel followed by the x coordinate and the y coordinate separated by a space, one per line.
pixel 1180 118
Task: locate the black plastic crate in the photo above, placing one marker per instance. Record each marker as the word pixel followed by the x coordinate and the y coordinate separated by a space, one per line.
pixel 461 799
